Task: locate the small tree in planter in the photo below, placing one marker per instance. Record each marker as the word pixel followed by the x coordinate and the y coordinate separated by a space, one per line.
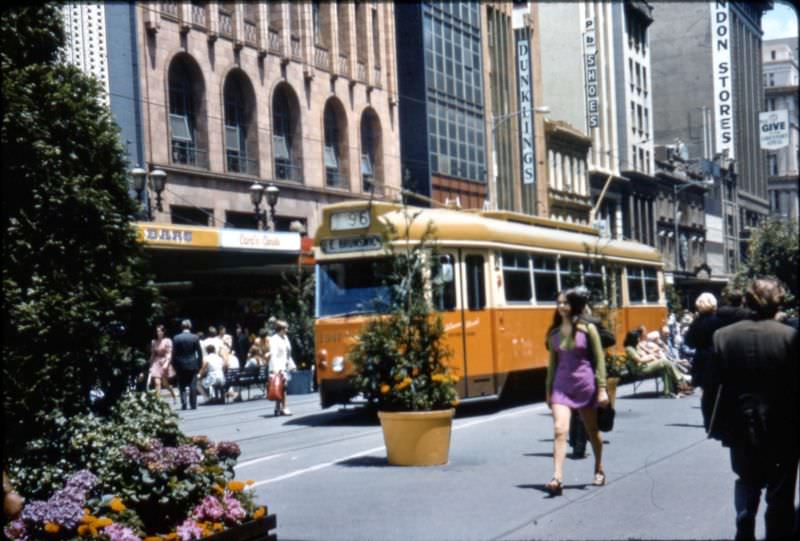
pixel 400 358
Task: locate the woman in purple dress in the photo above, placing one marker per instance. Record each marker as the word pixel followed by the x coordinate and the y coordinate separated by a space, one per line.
pixel 161 361
pixel 572 382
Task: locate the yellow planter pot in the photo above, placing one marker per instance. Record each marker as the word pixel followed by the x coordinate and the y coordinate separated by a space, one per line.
pixel 417 438
pixel 611 387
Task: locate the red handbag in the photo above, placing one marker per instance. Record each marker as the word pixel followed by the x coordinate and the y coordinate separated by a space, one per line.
pixel 275 387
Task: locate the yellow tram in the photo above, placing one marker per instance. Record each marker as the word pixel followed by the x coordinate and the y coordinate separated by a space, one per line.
pixel 501 271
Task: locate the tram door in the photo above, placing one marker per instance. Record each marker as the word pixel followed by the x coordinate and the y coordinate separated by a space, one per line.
pixel 478 344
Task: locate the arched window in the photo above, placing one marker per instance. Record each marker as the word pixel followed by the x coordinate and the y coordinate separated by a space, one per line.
pixel 371 152
pixel 335 157
pixel 241 135
pixel 187 118
pixel 286 135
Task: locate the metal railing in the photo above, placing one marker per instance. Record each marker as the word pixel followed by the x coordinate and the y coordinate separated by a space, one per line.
pixel 274 41
pixel 376 76
pixel 187 153
pixel 199 15
pixel 250 33
pixel 322 58
pixel 225 24
pixel 344 65
pixel 288 171
pixel 361 72
pixel 296 48
pixel 169 9
pixel 239 164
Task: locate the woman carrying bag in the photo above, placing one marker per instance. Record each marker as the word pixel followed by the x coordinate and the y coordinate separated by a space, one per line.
pixel 280 364
pixel 573 383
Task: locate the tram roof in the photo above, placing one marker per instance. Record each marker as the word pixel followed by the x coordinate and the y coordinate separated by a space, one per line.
pixel 504 230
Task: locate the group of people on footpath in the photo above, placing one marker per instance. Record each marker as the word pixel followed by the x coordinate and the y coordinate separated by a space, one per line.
pixel 199 363
pixel 744 357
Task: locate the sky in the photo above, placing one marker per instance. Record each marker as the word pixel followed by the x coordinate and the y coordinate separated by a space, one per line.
pixel 780 22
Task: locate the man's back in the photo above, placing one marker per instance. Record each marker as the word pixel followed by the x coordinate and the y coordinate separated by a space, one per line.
pixel 185 348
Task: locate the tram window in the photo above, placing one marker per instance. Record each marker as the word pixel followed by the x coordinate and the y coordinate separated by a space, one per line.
pixel 593 280
pixel 476 292
pixel 650 285
pixel 635 287
pixel 570 270
pixel 445 299
pixel 544 278
pixel 517 277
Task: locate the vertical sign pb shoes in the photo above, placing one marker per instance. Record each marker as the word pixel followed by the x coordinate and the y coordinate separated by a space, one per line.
pixel 590 56
pixel 721 43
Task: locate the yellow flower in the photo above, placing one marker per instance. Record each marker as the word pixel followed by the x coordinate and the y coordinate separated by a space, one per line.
pixel 117 506
pixel 438 378
pixel 415 372
pixel 249 482
pixel 218 489
pixel 235 486
pixel 260 512
pixel 218 526
pixel 454 378
pixel 454 403
pixel 152 538
pixel 51 527
pixel 170 536
pixel 403 384
pixel 385 388
pixel 87 518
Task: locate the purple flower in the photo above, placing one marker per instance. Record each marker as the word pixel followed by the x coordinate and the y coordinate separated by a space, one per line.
pixel 15 531
pixel 209 509
pixel 228 449
pixel 118 532
pixel 233 508
pixel 189 530
pixel 65 507
pixel 83 481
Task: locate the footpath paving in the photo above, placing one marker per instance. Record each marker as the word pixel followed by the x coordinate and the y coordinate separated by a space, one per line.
pixel 324 473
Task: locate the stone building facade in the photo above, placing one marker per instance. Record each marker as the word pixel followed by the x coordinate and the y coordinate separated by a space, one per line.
pixel 300 95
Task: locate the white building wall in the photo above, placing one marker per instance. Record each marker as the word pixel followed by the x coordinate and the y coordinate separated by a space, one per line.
pixel 85 32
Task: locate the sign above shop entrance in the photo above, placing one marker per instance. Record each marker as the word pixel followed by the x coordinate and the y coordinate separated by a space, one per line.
pixel 270 241
pixel 177 236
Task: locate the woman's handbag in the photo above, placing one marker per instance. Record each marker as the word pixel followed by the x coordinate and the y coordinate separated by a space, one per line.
pixel 275 387
pixel 605 418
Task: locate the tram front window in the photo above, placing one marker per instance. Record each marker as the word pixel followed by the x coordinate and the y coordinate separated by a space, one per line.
pixel 353 287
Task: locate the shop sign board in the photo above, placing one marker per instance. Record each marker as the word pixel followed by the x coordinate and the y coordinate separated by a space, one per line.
pixel 721 43
pixel 525 81
pixel 177 236
pixel 268 241
pixel 350 244
pixel 590 65
pixel 773 126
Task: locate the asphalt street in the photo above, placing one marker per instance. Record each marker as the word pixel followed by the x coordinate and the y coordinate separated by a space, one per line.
pixel 324 473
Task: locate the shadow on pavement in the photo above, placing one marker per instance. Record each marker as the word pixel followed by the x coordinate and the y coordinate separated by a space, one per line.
pixel 542 488
pixel 365 462
pixel 354 417
pixel 547 455
pixel 685 425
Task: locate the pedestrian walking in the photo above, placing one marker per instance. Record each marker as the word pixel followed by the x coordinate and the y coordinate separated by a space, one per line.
pixel 750 403
pixel 700 334
pixel 211 382
pixel 280 362
pixel 732 309
pixel 241 342
pixel 161 361
pixel 186 358
pixel 572 382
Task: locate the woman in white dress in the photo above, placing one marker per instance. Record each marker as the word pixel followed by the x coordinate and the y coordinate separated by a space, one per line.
pixel 280 361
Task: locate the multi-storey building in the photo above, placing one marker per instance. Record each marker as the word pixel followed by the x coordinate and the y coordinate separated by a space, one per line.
pixel 460 112
pixel 707 93
pixel 85 39
pixel 781 86
pixel 596 77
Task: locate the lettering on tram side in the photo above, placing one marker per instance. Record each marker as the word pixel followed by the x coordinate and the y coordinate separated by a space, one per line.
pixel 178 236
pixel 350 244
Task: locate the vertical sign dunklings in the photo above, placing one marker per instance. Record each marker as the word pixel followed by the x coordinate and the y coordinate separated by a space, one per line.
pixel 723 85
pixel 590 60
pixel 526 108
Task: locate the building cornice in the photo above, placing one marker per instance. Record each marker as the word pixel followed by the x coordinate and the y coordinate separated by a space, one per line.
pixel 566 131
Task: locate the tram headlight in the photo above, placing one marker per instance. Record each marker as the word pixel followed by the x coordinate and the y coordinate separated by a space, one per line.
pixel 323 358
pixel 338 364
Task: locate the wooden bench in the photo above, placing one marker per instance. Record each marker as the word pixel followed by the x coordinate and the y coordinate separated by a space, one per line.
pixel 246 377
pixel 638 378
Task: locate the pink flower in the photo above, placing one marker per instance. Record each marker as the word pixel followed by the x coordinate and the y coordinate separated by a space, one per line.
pixel 189 530
pixel 233 508
pixel 118 532
pixel 209 509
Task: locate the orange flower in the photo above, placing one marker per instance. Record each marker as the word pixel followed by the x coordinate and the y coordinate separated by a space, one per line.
pixel 235 486
pixel 102 522
pixel 170 536
pixel 152 538
pixel 385 389
pixel 83 529
pixel 218 526
pixel 218 489
pixel 51 527
pixel 117 506
pixel 87 518
pixel 260 512
pixel 249 482
pixel 454 403
pixel 415 372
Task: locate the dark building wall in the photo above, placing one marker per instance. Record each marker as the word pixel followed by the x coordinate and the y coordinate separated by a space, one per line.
pixel 123 76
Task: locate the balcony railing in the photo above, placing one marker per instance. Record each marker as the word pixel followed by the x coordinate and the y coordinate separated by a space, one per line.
pixel 250 33
pixel 288 171
pixel 361 72
pixel 322 58
pixel 344 65
pixel 334 179
pixel 199 15
pixel 376 76
pixel 187 153
pixel 238 164
pixel 169 9
pixel 274 41
pixel 296 48
pixel 225 24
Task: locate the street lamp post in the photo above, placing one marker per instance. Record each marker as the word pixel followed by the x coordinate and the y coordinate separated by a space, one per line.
pixel 158 180
pixel 265 219
pixel 676 189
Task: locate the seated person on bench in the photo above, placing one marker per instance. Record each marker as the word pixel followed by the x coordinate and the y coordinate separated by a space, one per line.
pixel 212 376
pixel 645 363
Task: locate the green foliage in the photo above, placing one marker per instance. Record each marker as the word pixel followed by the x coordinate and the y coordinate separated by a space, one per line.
pixel 674 304
pixel 76 294
pixel 295 305
pixel 138 454
pixel 774 251
pixel 400 358
pixel 616 365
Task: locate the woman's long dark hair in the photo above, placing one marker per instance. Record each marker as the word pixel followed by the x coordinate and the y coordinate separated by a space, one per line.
pixel 577 304
pixel 632 338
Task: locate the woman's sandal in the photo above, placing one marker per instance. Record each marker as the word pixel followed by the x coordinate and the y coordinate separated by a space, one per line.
pixel 599 479
pixel 555 487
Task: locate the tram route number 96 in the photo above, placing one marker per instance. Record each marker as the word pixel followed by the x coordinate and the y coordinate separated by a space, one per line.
pixel 357 219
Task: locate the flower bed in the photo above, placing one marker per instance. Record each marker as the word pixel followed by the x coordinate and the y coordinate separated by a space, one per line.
pixel 116 479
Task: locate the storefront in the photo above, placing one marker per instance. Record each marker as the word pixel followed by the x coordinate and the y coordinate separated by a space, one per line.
pixel 219 276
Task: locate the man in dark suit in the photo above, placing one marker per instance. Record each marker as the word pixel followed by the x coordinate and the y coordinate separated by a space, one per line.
pixel 751 405
pixel 186 359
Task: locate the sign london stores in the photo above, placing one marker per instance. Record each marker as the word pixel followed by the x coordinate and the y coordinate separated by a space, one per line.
pixel 773 127
pixel 721 43
pixel 590 60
